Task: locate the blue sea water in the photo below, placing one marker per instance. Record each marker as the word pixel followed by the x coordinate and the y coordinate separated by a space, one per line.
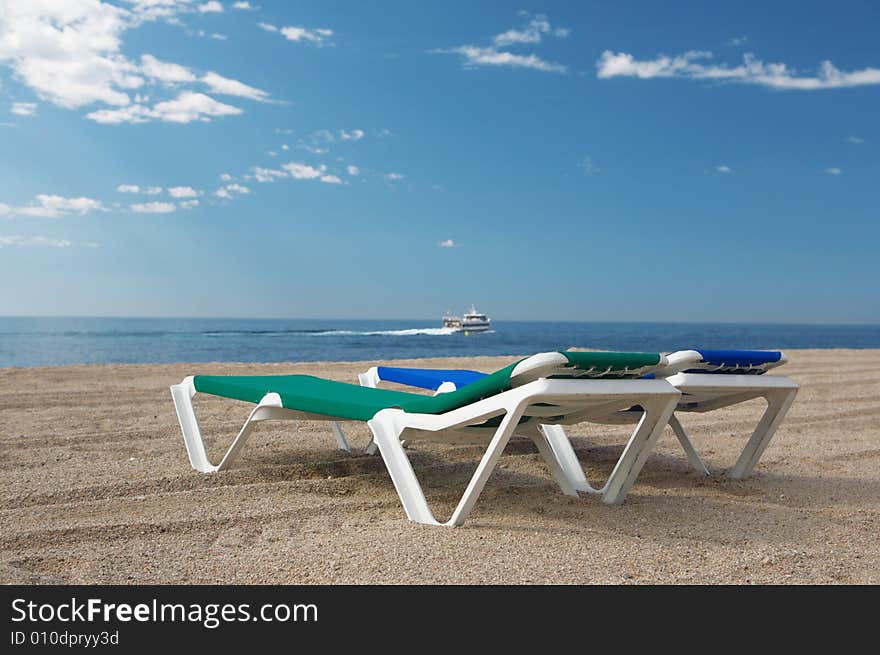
pixel 59 341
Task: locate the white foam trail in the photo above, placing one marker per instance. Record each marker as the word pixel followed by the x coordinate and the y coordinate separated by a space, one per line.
pixel 434 332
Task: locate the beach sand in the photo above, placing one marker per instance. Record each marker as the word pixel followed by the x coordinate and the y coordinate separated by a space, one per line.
pixel 97 488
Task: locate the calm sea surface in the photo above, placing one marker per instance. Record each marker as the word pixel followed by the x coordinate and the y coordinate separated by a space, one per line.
pixel 58 341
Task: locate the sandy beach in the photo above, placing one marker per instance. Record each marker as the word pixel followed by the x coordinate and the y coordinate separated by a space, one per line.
pixel 96 488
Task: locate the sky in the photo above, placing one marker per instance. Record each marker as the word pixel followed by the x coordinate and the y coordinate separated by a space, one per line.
pixel 598 161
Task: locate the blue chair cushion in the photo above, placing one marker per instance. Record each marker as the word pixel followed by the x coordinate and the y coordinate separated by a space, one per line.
pixel 428 378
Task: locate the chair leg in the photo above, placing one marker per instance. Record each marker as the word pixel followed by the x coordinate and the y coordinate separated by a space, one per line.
pixel 192 436
pixel 553 463
pixel 387 431
pixel 778 404
pixel 656 416
pixel 341 441
pixel 567 458
pixel 386 438
pixel 687 445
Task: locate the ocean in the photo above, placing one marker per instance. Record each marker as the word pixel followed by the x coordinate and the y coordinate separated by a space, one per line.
pixel 28 341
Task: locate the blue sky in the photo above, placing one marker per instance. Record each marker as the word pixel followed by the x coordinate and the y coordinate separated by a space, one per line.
pixel 560 161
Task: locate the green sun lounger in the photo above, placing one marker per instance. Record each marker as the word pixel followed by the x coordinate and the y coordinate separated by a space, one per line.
pixel 556 388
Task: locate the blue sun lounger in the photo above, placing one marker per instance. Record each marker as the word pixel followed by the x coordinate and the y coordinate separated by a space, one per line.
pixel 707 379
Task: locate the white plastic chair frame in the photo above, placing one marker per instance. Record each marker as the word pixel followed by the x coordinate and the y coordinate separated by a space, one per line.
pixel 701 392
pixel 534 400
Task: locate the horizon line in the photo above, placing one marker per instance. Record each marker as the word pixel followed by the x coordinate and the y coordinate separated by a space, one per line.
pixel 503 320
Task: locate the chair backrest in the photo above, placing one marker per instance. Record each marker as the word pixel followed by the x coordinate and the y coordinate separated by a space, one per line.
pixel 739 362
pixel 591 365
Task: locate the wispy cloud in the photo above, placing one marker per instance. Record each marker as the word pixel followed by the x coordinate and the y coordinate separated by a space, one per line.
pixel 229 190
pixel 225 86
pixel 165 71
pixel 448 243
pixel 698 65
pixel 55 206
pixel 855 139
pixel 318 36
pixel 723 168
pixel 737 41
pixel 498 52
pixel 183 192
pixel 834 170
pixel 243 6
pixel 24 108
pixel 354 135
pixel 186 108
pixel 533 32
pixel 588 167
pixel 267 174
pixel 393 177
pixel 9 240
pixel 212 7
pixel 153 207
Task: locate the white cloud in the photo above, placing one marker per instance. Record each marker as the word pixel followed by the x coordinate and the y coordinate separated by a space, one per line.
pixel 855 139
pixel 230 189
pixel 68 52
pixel 318 36
pixel 53 206
pixel 154 208
pixel 300 171
pixel 738 41
pixel 496 55
pixel 24 108
pixel 225 86
pixel 393 177
pixel 695 64
pixel 189 204
pixel 212 7
pixel 588 167
pixel 449 243
pixel 186 108
pixel 834 171
pixel 71 54
pixel 354 135
pixel 165 71
pixel 533 32
pixel 724 169
pixel 226 177
pixel 5 209
pixel 183 192
pixel 384 133
pixel 243 6
pixel 284 146
pixel 477 56
pixel 128 188
pixel 153 190
pixel 267 174
pixel 353 170
pixel 18 240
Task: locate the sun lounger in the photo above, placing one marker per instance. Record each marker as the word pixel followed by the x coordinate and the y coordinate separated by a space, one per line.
pixel 708 380
pixel 548 388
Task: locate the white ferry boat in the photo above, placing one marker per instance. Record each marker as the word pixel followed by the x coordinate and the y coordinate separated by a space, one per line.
pixel 472 321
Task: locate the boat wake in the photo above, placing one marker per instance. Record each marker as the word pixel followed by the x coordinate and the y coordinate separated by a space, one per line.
pixel 407 332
